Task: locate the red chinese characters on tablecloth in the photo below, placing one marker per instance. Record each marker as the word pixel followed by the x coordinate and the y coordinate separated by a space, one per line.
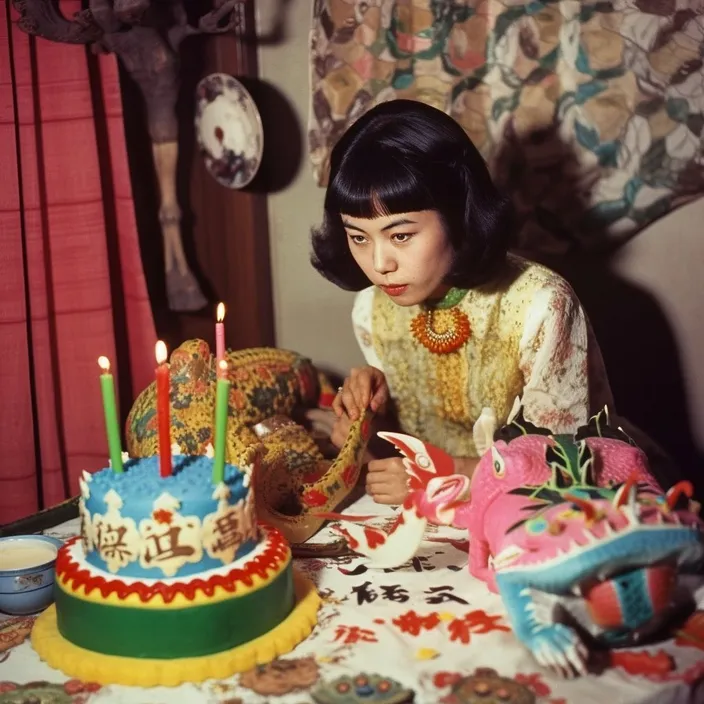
pixel 351 635
pixel 412 623
pixel 535 682
pixel 477 622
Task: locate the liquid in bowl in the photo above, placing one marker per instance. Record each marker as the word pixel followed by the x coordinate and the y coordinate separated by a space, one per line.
pixel 26 553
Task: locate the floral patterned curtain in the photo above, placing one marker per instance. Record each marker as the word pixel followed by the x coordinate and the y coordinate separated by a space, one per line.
pixel 590 113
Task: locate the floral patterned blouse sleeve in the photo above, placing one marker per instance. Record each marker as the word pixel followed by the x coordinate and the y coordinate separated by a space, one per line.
pixel 362 323
pixel 558 353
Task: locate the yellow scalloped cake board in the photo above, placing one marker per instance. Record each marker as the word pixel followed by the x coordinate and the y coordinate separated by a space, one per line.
pixel 90 666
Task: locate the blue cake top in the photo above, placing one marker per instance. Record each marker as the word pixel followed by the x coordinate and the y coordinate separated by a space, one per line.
pixel 191 476
pixel 142 525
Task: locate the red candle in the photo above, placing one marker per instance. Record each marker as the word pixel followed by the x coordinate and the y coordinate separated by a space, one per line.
pixel 163 383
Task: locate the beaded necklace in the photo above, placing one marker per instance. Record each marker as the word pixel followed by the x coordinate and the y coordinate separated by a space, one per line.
pixel 456 334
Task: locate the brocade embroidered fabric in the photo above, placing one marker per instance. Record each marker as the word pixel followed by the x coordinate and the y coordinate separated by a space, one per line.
pixel 590 114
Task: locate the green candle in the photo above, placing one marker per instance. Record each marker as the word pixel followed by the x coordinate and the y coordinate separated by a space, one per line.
pixel 221 404
pixel 112 426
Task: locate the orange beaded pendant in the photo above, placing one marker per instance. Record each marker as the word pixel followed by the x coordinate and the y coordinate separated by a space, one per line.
pixel 441 342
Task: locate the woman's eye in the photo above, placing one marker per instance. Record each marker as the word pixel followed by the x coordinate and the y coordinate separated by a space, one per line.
pixel 358 239
pixel 402 236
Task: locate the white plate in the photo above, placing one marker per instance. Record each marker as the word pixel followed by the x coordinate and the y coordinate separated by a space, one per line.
pixel 229 130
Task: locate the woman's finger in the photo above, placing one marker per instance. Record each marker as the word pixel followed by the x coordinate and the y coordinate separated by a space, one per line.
pixel 360 385
pixel 378 466
pixel 375 490
pixel 348 402
pixel 338 436
pixel 380 397
pixel 337 403
pixel 343 396
pixel 362 389
pixel 379 479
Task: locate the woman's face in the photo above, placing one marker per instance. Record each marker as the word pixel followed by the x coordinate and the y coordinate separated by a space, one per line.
pixel 407 255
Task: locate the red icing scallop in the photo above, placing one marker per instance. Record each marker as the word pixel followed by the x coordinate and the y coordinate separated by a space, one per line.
pixel 72 574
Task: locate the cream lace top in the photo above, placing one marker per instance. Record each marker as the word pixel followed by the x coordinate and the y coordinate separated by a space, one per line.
pixel 530 338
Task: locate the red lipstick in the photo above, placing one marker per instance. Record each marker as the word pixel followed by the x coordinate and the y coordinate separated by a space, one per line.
pixel 395 290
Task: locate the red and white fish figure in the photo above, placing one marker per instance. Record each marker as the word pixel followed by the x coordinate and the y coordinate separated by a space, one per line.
pixel 436 494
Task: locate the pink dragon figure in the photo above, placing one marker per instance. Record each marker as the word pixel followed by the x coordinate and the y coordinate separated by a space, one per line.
pixel 558 515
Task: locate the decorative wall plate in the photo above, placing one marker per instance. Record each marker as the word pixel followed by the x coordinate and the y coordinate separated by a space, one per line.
pixel 229 130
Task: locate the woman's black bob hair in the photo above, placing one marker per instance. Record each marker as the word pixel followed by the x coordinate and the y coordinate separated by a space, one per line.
pixel 404 156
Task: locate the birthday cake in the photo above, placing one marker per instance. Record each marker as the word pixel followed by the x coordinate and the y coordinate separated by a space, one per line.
pixel 172 579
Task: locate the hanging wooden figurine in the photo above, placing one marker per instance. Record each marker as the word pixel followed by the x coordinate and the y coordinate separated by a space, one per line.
pixel 145 35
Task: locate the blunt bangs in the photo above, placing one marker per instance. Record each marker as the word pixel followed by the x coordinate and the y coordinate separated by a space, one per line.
pixel 403 156
pixel 372 182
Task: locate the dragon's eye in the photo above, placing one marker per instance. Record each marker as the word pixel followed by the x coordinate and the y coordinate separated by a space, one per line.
pixel 498 463
pixel 423 461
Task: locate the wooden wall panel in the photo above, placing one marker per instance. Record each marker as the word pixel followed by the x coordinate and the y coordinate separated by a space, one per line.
pixel 225 231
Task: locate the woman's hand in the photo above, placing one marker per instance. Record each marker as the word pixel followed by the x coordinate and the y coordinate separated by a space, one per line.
pixel 340 431
pixel 364 388
pixel 387 481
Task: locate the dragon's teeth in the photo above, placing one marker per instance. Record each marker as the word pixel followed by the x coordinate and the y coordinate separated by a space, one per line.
pixel 507 555
pixel 628 514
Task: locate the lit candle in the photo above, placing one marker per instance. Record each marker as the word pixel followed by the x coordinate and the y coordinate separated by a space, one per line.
pixel 163 384
pixel 221 403
pixel 112 427
pixel 220 334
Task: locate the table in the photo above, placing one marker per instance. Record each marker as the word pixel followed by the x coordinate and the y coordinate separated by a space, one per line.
pixel 425 625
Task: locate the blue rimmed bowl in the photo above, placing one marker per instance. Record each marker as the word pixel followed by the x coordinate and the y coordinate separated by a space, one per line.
pixel 27 567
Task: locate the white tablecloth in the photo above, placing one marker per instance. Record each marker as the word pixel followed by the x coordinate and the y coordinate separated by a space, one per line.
pixel 424 625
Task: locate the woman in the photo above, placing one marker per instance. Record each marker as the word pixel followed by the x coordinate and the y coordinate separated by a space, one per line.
pixel 449 323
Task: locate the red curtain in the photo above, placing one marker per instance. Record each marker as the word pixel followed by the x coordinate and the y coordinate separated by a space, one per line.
pixel 72 286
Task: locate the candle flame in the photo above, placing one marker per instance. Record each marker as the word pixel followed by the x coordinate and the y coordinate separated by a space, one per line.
pixel 222 365
pixel 160 350
pixel 104 363
pixel 220 312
